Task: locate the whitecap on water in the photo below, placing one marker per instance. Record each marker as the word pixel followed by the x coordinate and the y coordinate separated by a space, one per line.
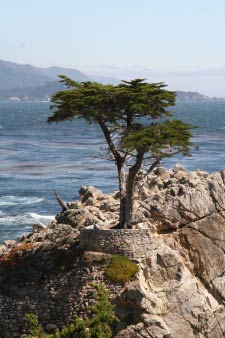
pixel 37 216
pixel 16 200
pixel 24 219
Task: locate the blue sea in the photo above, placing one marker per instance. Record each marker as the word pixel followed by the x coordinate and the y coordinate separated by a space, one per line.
pixel 37 159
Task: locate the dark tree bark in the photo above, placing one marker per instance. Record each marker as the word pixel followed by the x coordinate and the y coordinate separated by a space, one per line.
pixel 122 189
pixel 120 162
pixel 62 204
pixel 130 185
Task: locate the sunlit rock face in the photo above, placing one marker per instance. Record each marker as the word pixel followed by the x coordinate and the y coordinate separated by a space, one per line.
pixel 179 289
pixel 182 282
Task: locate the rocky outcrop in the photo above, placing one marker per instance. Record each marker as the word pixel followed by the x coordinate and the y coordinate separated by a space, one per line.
pixel 168 300
pixel 93 209
pixel 179 289
pixel 166 200
pixel 184 279
pixel 173 199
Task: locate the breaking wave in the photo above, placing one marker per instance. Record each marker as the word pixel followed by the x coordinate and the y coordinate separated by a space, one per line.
pixel 24 219
pixel 17 200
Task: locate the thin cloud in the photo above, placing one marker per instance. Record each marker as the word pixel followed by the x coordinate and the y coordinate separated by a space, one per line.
pixel 22 45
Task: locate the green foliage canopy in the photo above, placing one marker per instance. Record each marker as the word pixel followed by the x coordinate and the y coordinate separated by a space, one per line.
pixel 132 117
pixel 120 108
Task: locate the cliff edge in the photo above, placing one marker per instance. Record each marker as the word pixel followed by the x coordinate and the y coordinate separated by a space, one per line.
pixel 178 242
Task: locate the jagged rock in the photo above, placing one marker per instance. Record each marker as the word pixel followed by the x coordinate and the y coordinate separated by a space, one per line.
pixel 180 175
pixel 178 167
pixel 9 243
pixel 74 205
pixel 94 208
pixel 202 173
pixel 205 243
pixel 162 172
pixel 89 194
pixel 54 234
pixel 168 300
pixel 185 198
pixel 38 227
pixel 74 217
pixel 179 290
pixel 59 232
pixel 2 249
pixel 223 175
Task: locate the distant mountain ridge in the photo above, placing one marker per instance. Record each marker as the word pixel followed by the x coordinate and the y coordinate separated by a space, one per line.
pixel 27 82
pixel 191 96
pixel 39 93
pixel 14 75
pixel 54 71
pixel 45 91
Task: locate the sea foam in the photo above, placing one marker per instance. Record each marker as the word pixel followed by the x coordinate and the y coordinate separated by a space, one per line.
pixel 11 200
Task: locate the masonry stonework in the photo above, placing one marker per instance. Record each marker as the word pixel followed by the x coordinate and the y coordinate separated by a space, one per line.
pixel 58 296
pixel 135 244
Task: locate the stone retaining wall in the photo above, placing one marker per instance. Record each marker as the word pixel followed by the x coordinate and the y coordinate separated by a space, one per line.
pixel 135 244
pixel 56 299
pixel 58 296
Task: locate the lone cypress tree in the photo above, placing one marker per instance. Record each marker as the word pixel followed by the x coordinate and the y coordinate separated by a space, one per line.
pixel 132 117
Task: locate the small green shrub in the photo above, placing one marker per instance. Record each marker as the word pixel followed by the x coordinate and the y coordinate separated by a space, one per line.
pixel 74 330
pixel 121 269
pixel 36 329
pixel 97 326
pixel 102 314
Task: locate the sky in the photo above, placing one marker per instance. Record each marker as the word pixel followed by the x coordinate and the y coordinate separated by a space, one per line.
pixel 171 39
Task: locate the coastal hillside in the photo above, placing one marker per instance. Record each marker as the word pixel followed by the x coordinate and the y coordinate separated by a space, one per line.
pixel 177 243
pixel 191 96
pixel 46 90
pixel 26 82
pixel 38 93
pixel 14 76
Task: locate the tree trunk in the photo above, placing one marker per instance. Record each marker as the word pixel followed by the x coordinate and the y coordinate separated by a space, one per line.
pixel 129 208
pixel 120 162
pixel 130 185
pixel 122 189
pixel 126 186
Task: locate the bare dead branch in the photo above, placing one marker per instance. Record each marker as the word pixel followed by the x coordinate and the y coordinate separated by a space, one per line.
pixel 62 204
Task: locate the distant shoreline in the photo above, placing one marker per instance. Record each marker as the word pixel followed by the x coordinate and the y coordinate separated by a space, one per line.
pixel 177 101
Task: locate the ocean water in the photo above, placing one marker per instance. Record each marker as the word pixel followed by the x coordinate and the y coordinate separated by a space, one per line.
pixel 37 159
